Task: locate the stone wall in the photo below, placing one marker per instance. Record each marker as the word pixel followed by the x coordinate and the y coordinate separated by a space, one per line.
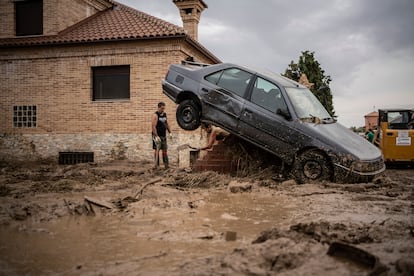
pixel 106 147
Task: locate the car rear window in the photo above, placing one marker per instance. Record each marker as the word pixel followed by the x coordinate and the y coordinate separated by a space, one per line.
pixel 232 79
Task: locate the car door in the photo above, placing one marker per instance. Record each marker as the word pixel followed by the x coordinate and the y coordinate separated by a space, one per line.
pixel 261 123
pixel 223 95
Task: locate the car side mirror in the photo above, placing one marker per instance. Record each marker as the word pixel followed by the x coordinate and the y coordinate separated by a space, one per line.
pixel 284 113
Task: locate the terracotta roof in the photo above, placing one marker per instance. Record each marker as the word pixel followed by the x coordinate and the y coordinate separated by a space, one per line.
pixel 117 23
pixel 372 114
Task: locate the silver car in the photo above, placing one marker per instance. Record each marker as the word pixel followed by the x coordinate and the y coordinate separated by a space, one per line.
pixel 274 113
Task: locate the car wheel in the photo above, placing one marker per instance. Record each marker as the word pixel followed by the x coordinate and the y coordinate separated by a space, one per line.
pixel 311 166
pixel 188 115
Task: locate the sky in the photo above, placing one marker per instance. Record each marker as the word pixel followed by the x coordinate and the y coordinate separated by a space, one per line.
pixel 367 47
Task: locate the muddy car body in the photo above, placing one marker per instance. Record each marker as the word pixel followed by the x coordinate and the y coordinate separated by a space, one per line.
pixel 274 113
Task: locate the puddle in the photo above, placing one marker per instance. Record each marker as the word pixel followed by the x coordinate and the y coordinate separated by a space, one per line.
pixel 152 242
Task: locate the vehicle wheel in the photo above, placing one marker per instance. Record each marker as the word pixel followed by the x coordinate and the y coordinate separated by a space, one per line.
pixel 188 115
pixel 311 166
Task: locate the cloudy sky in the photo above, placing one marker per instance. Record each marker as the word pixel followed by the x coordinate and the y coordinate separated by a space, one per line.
pixel 367 47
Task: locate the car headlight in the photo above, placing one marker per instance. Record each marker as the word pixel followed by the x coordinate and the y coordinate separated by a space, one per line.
pixel 362 166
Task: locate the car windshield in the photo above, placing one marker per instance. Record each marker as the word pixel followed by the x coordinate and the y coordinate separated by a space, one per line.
pixel 306 104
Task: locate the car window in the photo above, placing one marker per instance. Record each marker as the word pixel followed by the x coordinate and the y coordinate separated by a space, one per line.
pixel 267 95
pixel 233 79
pixel 399 119
pixel 214 78
pixel 306 104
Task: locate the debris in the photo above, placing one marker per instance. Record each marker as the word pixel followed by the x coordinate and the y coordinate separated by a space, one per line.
pixel 19 214
pixel 228 217
pixel 240 187
pixel 206 179
pixel 192 204
pixel 85 208
pixel 290 182
pixel 70 209
pixel 230 236
pixel 124 202
pixel 98 202
pixel 207 237
pixel 181 147
pixel 405 266
pixel 357 255
pixel 139 193
pixel 184 146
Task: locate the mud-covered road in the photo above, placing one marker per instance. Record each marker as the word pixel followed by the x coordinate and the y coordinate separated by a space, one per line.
pixel 124 218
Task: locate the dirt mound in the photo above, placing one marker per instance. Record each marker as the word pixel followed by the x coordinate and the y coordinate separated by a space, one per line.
pixel 303 245
pixel 207 179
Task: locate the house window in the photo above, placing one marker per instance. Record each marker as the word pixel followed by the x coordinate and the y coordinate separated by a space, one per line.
pixel 29 17
pixel 110 82
pixel 24 116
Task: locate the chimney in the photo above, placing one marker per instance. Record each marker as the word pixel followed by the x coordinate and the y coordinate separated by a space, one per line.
pixel 190 11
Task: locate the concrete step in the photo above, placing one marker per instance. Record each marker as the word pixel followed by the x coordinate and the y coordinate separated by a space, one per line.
pixel 216 168
pixel 213 162
pixel 217 155
pixel 218 159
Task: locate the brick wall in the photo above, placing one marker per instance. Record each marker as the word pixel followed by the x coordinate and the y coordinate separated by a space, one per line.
pixel 371 122
pixel 58 81
pixel 61 14
pixel 57 15
pixel 7 28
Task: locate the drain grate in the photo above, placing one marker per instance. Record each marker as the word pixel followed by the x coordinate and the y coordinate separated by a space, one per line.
pixel 67 158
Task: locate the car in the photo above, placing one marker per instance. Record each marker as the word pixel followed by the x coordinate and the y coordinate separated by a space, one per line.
pixel 274 113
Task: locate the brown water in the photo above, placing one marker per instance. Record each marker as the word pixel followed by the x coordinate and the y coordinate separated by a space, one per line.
pixel 154 241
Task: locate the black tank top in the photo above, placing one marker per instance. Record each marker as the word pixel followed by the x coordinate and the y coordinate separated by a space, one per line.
pixel 161 124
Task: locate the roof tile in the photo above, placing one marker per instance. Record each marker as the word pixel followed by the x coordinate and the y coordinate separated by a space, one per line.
pixel 114 24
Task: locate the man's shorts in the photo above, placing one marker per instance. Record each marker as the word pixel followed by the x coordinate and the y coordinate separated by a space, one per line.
pixel 162 145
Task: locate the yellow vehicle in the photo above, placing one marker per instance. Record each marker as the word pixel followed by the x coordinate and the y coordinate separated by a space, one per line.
pixel 396 135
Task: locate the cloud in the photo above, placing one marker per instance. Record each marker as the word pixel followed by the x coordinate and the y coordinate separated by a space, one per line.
pixel 380 83
pixel 367 47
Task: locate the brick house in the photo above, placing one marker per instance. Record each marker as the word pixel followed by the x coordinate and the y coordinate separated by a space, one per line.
pixel 85 76
pixel 371 120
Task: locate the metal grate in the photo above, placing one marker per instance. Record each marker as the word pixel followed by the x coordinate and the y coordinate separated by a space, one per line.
pixel 24 116
pixel 67 158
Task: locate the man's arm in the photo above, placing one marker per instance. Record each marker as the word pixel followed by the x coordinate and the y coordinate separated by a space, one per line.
pixel 211 141
pixel 154 124
pixel 168 126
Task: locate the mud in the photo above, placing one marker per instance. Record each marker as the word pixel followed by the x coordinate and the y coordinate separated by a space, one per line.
pixel 124 218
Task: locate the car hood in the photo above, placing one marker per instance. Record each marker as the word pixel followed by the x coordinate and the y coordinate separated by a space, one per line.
pixel 343 140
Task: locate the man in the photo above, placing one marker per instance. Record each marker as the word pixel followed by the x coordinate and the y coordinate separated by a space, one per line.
pixel 370 135
pixel 215 133
pixel 159 134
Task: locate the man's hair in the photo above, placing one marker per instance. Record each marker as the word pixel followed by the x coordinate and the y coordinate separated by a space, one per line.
pixel 161 104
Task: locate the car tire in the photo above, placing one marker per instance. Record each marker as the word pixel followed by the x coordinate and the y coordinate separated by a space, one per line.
pixel 310 167
pixel 188 115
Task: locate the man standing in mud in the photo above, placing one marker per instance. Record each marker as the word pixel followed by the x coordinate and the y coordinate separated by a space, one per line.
pixel 159 134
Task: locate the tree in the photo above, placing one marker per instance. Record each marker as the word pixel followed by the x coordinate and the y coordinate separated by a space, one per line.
pixel 309 66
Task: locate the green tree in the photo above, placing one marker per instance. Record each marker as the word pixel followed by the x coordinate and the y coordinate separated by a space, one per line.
pixel 310 66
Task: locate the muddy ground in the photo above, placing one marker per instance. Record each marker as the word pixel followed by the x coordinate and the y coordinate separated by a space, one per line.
pixel 124 218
